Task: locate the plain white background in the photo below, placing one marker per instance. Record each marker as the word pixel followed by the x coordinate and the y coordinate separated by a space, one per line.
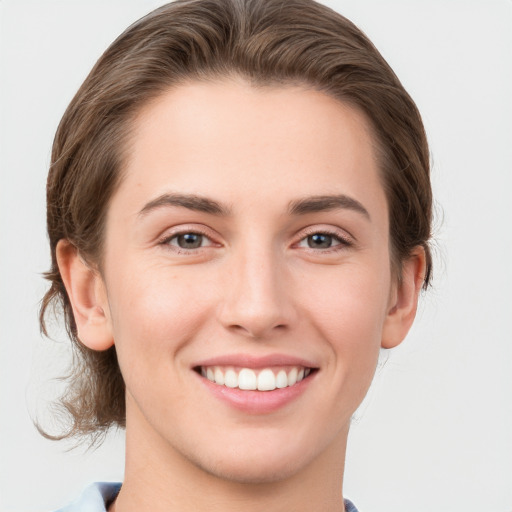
pixel 435 432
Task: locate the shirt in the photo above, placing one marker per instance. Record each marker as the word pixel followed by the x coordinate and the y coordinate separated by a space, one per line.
pixel 98 496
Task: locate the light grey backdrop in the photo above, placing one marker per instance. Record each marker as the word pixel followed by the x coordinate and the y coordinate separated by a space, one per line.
pixel 436 430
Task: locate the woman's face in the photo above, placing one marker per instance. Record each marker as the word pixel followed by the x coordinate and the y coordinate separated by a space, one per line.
pixel 247 243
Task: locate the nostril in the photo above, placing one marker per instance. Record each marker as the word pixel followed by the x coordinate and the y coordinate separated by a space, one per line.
pixel 257 330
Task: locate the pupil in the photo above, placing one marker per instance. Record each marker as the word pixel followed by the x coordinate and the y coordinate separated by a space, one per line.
pixel 190 240
pixel 320 241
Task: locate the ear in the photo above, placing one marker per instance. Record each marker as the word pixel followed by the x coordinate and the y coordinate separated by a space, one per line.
pixel 404 299
pixel 87 293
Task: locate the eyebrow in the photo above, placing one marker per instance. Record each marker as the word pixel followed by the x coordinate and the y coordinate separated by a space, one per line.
pixel 313 204
pixel 189 201
pixel 327 203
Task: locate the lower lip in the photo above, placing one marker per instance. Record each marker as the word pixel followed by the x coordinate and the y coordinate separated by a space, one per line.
pixel 257 402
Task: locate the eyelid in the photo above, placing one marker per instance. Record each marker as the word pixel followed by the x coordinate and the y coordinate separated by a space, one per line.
pixel 345 239
pixel 183 229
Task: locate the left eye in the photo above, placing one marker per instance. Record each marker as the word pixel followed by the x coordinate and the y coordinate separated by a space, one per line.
pixel 189 240
pixel 320 241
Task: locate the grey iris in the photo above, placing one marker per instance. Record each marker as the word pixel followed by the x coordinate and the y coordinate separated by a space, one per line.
pixel 190 240
pixel 320 241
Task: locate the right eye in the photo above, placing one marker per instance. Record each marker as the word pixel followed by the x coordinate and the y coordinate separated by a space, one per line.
pixel 322 241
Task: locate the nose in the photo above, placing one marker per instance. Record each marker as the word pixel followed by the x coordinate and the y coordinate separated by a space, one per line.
pixel 257 298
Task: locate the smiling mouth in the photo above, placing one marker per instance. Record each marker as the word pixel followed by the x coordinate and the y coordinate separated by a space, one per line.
pixel 264 379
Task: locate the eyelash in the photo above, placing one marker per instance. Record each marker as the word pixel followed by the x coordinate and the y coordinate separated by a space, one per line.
pixel 343 242
pixel 166 241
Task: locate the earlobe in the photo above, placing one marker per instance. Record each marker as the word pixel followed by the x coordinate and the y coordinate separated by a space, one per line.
pixel 404 300
pixel 87 294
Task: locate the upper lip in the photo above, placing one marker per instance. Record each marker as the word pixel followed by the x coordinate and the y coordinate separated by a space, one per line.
pixel 256 362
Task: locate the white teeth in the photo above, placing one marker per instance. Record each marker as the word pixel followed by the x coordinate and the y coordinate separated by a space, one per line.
pixel 266 380
pixel 219 376
pixel 231 379
pixel 282 380
pixel 248 379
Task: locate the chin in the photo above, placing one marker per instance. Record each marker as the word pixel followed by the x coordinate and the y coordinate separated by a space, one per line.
pixel 257 462
pixel 251 471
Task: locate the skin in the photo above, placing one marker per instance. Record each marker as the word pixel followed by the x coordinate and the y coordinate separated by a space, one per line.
pixel 255 287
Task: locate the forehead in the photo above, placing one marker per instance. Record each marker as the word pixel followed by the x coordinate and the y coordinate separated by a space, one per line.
pixel 237 143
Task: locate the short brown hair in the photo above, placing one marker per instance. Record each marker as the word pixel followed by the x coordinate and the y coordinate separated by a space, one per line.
pixel 267 42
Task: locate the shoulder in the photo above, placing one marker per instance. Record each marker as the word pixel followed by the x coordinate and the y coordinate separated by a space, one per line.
pixel 97 496
pixel 94 498
pixel 349 506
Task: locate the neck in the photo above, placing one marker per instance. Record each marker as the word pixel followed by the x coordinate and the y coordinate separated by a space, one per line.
pixel 159 478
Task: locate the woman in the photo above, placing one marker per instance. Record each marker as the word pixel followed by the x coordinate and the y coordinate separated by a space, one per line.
pixel 239 211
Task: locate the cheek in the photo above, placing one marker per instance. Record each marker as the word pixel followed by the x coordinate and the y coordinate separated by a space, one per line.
pixel 154 312
pixel 350 315
pixel 154 315
pixel 351 304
